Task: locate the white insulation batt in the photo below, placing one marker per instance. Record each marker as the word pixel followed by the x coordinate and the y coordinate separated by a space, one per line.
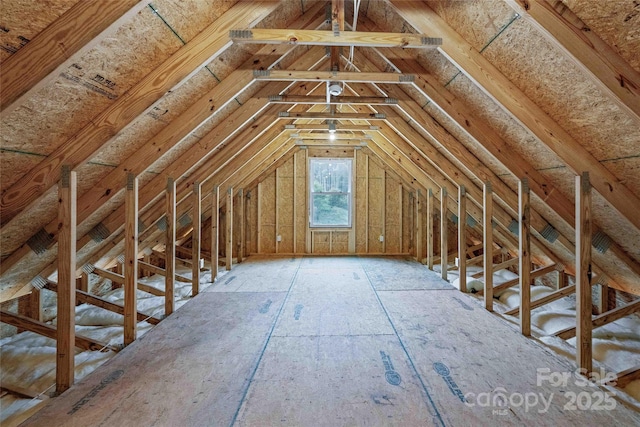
pixel 616 346
pixel 28 359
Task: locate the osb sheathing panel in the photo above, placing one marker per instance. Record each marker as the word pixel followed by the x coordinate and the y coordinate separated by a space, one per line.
pixel 22 20
pixel 408 221
pixel 393 215
pixel 559 88
pixel 267 227
pixel 340 242
pixel 376 207
pixel 321 242
pixel 252 221
pixel 616 22
pixel 89 85
pixel 13 165
pixel 284 205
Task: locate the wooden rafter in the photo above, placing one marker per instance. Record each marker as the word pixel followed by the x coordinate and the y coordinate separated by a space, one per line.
pixel 76 150
pixel 619 81
pixel 481 71
pixel 76 31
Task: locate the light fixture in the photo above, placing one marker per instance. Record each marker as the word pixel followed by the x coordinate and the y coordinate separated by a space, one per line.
pixel 332 136
pixel 335 89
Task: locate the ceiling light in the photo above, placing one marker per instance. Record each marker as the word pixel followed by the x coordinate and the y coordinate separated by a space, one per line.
pixel 335 89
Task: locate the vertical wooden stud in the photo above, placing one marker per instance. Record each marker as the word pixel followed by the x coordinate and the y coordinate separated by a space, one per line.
pixel 524 208
pixel 65 346
pixel 444 234
pixel 240 211
pixel 229 216
pixel 487 223
pixel 130 259
pixel 366 204
pixel 295 202
pixel 196 238
pixel 419 226
pixel 430 211
pixel 462 237
pixel 602 303
pixel 583 273
pixel 35 305
pixel 215 235
pixel 170 248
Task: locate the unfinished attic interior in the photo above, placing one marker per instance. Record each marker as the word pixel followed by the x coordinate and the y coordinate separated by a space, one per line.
pixel 307 212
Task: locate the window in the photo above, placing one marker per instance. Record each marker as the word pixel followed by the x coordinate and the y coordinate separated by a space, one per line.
pixel 330 189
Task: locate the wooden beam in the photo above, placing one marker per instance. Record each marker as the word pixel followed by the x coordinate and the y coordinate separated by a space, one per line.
pixel 240 213
pixel 480 70
pixel 303 136
pixel 430 215
pixel 130 259
pixel 602 299
pixel 331 38
pixel 44 329
pixel 118 278
pixel 332 143
pixel 444 234
pixel 334 100
pixel 623 378
pixel 603 319
pixel 487 239
pixel 66 301
pixel 338 127
pixel 564 29
pixel 553 296
pixel 337 26
pixel 524 251
pixel 195 238
pixel 53 49
pixel 462 237
pixel 170 253
pixel 87 298
pixel 229 216
pixel 584 356
pixel 163 272
pixel 535 273
pixel 198 52
pixel 330 115
pixel 419 222
pixel 330 76
pixel 215 223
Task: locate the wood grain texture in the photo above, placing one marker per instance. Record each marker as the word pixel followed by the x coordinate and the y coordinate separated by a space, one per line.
pixel 88 141
pixel 487 240
pixel 66 301
pixel 196 238
pixel 584 355
pixel 524 255
pixel 488 77
pixel 169 247
pixel 81 27
pixel 131 260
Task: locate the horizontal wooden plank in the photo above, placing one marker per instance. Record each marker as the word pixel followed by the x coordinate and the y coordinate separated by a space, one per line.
pixel 333 143
pixel 334 116
pixel 331 38
pixel 333 76
pixel 338 127
pixel 556 295
pixel 162 271
pixel 628 375
pixel 535 273
pixel 49 331
pixel 338 100
pixel 603 319
pixel 94 300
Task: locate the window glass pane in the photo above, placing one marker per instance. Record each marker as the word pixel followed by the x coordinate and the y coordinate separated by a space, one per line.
pixel 330 187
pixel 331 176
pixel 330 209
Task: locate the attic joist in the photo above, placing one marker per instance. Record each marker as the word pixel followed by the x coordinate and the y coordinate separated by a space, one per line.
pixel 102 128
pixel 617 79
pixel 488 78
pixel 329 143
pixel 338 127
pixel 333 38
pixel 326 136
pixel 494 144
pixel 333 76
pixel 337 100
pixel 332 116
pixel 603 319
pixel 75 32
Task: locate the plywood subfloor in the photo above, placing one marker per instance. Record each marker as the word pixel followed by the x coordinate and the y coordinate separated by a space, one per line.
pixel 328 342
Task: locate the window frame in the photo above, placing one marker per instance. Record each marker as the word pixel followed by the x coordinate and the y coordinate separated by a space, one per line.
pixel 349 194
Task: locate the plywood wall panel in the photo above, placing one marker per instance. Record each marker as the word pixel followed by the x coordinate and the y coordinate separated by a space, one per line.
pixel 393 216
pixel 321 242
pixel 408 222
pixel 267 219
pixel 252 221
pixel 340 242
pixel 376 211
pixel 284 200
